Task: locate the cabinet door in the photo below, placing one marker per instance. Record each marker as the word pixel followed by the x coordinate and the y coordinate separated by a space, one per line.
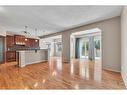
pixel 32 43
pixel 19 40
pixel 36 43
pixel 27 42
pixel 10 56
pixel 9 40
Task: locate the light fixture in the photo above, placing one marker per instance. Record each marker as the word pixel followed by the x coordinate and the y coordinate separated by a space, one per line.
pixel 36 34
pixel 25 32
pixel 36 40
pixel 26 39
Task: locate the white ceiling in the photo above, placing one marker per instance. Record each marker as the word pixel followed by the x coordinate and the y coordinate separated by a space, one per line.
pixel 53 19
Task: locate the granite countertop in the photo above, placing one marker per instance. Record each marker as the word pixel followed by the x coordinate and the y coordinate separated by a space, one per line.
pixel 21 48
pixel 31 50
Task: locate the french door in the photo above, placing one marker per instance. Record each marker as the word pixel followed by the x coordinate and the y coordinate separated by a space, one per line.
pixel 58 49
pixel 90 47
pixel 97 47
pixel 84 48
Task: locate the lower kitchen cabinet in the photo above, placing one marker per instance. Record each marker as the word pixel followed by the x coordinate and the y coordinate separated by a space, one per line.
pixel 10 56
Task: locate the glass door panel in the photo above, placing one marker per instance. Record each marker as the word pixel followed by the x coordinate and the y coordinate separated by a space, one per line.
pixel 97 47
pixel 58 49
pixel 87 48
pixel 84 48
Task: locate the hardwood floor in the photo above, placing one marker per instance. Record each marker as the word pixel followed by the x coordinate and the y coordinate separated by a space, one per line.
pixel 79 74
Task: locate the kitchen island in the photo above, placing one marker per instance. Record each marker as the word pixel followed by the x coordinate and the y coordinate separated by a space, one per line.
pixel 26 57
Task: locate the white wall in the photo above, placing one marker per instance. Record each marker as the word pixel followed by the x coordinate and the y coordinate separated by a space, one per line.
pixel 51 41
pixel 42 44
pixel 124 45
pixel 2 31
pixel 80 35
pixel 111 42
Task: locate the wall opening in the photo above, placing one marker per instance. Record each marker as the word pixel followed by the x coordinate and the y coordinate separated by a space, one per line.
pixel 86 45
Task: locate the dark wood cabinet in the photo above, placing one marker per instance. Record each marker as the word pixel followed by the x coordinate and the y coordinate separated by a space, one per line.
pixel 9 41
pixel 10 56
pixel 37 43
pixel 27 42
pixel 19 40
pixel 32 43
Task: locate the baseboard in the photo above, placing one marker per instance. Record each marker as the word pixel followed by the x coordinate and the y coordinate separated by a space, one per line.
pixel 37 62
pixel 32 63
pixel 111 70
pixel 22 66
pixel 124 79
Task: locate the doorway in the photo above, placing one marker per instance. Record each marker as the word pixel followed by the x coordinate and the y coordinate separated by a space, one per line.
pixel 86 45
pixel 54 46
pixel 89 47
pixel 1 49
pixel 58 47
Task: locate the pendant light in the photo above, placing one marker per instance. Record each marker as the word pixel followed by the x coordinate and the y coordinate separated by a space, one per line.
pixel 26 32
pixel 36 34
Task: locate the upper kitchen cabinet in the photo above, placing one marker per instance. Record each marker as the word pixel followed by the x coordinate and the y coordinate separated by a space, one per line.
pixel 10 40
pixel 33 43
pixel 27 42
pixel 22 40
pixel 36 43
pixel 19 40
